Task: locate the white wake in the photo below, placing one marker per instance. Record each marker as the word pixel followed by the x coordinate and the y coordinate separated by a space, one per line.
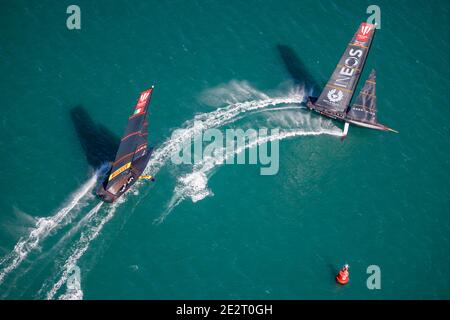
pixel 45 226
pixel 220 117
pixel 194 185
pixel 230 94
pixel 235 109
pixel 80 248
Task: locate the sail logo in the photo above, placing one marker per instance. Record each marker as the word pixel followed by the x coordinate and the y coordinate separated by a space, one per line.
pixel 119 171
pixel 347 71
pixel 364 32
pixel 144 96
pixel 142 101
pixel 335 95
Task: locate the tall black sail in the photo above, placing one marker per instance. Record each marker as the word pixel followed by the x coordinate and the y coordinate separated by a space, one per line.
pixel 338 92
pixel 364 108
pixel 133 144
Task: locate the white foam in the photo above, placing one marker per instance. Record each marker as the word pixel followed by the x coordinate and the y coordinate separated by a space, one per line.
pixel 80 248
pixel 44 227
pixel 194 185
pixel 72 294
pixel 218 118
pixel 77 226
pixel 197 183
pixel 231 93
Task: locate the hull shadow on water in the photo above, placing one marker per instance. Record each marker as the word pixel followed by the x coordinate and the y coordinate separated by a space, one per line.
pixel 99 143
pixel 297 69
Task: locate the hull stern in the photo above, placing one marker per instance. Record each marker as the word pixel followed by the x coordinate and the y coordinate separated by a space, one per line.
pixel 105 195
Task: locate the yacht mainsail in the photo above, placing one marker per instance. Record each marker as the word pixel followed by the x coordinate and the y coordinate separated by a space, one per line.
pixel 133 153
pixel 338 92
pixel 335 98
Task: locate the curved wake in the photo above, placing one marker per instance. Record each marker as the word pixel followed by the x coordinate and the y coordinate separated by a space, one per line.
pixel 194 185
pixel 45 226
pixel 203 121
pixel 215 119
pixel 80 248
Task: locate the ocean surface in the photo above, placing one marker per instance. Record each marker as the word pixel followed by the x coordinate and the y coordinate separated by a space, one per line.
pixel 214 231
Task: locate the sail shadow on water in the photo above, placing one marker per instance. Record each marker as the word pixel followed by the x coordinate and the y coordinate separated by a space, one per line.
pixel 98 142
pixel 296 68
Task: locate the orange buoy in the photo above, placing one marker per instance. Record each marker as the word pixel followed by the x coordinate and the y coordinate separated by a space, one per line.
pixel 343 276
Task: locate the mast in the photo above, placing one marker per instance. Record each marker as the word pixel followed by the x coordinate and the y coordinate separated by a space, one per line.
pixel 338 92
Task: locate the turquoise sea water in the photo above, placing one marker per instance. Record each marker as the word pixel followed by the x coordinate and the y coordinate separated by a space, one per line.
pixel 376 199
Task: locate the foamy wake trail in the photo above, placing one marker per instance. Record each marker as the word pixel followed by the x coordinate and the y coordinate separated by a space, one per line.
pixel 194 185
pixel 220 117
pixel 231 95
pixel 79 249
pixel 45 226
